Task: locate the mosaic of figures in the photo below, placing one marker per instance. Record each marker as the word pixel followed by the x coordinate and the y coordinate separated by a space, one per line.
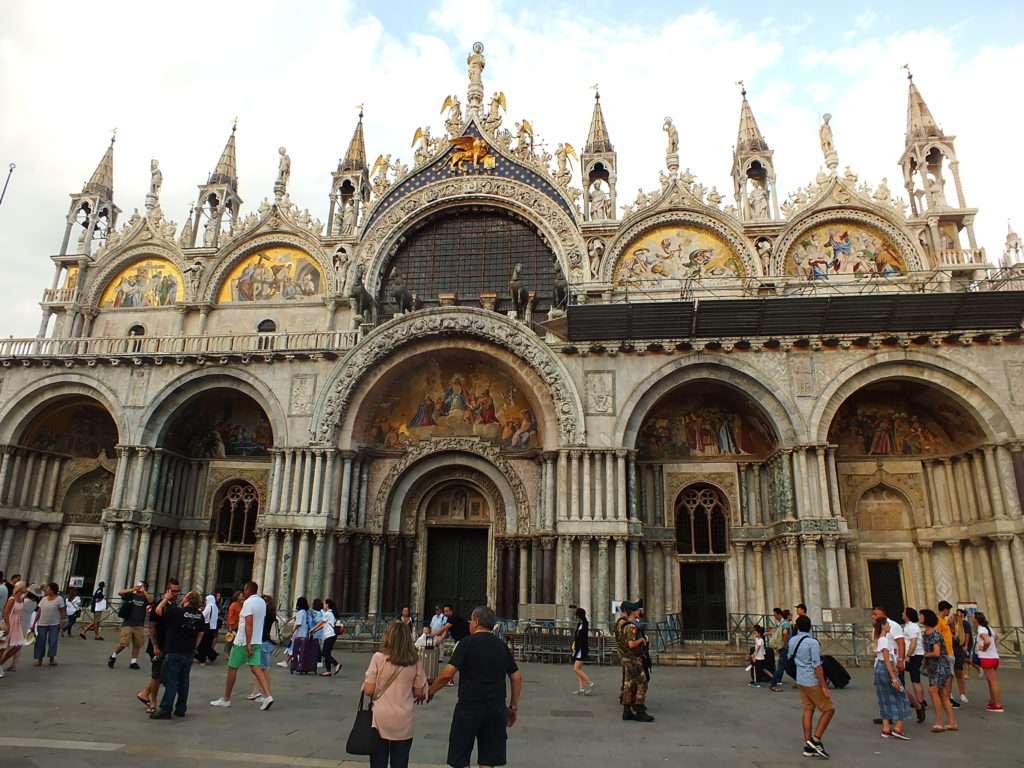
pixel 148 283
pixel 454 394
pixel 273 274
pixel 698 423
pixel 843 248
pixel 218 424
pixel 75 428
pixel 676 253
pixel 458 503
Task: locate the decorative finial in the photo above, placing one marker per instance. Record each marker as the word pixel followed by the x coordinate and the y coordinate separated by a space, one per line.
pixel 597 92
pixel 743 88
pixel 910 75
pixel 234 124
pixel 360 107
pixel 113 136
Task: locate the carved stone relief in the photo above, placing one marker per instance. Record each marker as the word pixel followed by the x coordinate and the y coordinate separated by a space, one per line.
pixel 1015 380
pixel 600 393
pixel 303 390
pixel 137 385
pixel 801 371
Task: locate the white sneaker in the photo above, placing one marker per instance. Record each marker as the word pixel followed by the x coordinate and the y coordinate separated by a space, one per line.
pixel 266 702
pixel 254 696
pixel 221 702
pixel 283 664
pixel 963 698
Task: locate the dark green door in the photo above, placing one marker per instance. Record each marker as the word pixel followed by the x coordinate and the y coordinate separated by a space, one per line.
pixel 886 586
pixel 456 569
pixel 233 570
pixel 703 608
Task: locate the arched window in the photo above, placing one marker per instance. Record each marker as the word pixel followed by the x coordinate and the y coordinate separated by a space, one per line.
pixel 266 326
pixel 700 521
pixel 236 515
pixel 137 330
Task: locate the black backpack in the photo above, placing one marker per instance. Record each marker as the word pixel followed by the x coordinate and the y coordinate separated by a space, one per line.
pixel 791 661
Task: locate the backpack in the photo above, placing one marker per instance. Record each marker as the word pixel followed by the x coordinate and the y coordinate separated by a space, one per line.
pixel 791 661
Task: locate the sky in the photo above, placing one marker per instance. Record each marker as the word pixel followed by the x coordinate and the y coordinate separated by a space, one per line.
pixel 172 77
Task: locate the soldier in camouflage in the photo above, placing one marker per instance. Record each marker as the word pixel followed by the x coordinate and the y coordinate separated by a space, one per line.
pixel 631 646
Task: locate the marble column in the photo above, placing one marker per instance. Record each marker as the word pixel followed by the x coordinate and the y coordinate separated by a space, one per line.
pixel 284 575
pixel 660 587
pixel 124 549
pixel 574 485
pixel 795 585
pixel 634 569
pixel 318 587
pixel 277 469
pixel 668 561
pixel 364 485
pixel 925 551
pixel 374 598
pixel 186 571
pixel 611 509
pixel 549 559
pixel 800 484
pixel 330 563
pixel 346 485
pixel 825 499
pixel 1008 483
pixel 153 479
pixel 832 472
pixel 755 496
pixel 992 478
pixel 156 541
pixel 562 481
pixel 524 572
pixel 142 558
pixel 164 557
pixel 200 577
pixel 622 507
pixel 601 600
pixel 5 470
pixel 988 601
pixel 955 513
pixel 628 483
pixel 955 549
pixel 650 579
pixel 965 491
pixel 587 510
pixel 739 563
pixel 599 484
pixel 297 486
pixel 174 563
pixel 585 602
pixel 6 541
pixel 844 576
pixel 979 483
pixel 832 572
pixel 1008 584
pixel 621 586
pixel 328 497
pixel 107 547
pixel 758 565
pixel 305 485
pixel 300 566
pixel 269 579
pixel 853 567
pixel 789 491
pixel 549 492
pixel 51 554
pixel 1017 550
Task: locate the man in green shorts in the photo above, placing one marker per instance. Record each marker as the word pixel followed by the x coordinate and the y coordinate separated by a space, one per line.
pixel 246 650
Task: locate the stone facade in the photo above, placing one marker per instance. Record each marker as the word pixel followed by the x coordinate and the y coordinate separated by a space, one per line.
pixel 244 398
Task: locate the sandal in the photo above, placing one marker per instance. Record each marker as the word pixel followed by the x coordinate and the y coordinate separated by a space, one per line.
pixel 952 728
pixel 143 700
pixel 938 728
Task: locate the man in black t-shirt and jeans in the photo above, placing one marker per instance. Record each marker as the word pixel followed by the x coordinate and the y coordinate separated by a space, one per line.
pixel 184 626
pixel 483 662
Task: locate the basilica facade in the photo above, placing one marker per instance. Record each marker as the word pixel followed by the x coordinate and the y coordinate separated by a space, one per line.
pixel 487 379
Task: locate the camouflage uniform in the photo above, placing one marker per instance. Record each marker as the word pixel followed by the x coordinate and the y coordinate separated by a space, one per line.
pixel 634 682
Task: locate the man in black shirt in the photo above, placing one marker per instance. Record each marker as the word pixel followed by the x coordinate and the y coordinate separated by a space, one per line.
pixel 155 649
pixel 184 627
pixel 134 603
pixel 483 662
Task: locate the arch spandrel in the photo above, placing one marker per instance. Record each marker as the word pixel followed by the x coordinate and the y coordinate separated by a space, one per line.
pixel 334 407
pixel 551 220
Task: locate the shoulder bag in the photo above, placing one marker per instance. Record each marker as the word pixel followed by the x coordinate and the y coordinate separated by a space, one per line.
pixel 364 738
pixel 791 661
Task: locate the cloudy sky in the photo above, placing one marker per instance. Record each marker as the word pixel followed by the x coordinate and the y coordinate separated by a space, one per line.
pixel 172 81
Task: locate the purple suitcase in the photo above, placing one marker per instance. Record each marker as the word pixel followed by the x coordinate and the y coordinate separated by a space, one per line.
pixel 305 655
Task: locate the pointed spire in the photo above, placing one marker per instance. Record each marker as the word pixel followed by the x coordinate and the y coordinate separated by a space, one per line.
pixel 355 157
pixel 102 180
pixel 749 138
pixel 598 139
pixel 226 171
pixel 920 123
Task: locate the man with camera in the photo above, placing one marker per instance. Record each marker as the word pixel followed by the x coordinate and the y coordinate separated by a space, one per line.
pixel 132 612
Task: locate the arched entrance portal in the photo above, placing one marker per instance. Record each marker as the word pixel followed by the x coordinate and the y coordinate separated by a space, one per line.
pixel 458 518
pixel 235 509
pixel 701 543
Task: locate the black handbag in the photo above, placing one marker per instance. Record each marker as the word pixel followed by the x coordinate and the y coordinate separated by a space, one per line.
pixel 363 738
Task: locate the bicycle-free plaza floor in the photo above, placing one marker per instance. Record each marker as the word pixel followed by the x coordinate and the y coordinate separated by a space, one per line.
pixel 83 714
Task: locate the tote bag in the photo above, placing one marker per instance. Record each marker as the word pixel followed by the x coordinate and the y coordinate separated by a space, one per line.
pixel 364 738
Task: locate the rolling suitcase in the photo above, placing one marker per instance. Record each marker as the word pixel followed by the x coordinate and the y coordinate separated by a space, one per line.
pixel 835 672
pixel 431 657
pixel 305 656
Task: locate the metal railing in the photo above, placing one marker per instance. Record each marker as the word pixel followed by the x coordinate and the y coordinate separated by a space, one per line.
pixel 221 344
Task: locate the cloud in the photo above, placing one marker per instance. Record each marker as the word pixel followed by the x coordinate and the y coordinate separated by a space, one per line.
pixel 172 80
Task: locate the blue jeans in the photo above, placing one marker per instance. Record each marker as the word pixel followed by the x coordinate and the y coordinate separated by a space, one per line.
pixel 46 642
pixel 780 665
pixel 176 670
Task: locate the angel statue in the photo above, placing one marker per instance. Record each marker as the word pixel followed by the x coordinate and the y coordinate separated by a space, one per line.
pixel 562 155
pixel 673 136
pixel 454 121
pixel 524 139
pixel 492 120
pixel 379 174
pixel 421 145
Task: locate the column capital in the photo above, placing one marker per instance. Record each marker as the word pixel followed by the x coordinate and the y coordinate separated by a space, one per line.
pixel 853 546
pixel 547 543
pixel 343 537
pixel 53 526
pixel 129 526
pixel 260 533
pixel 976 541
pixel 1001 538
pixel 924 546
pixel 376 539
pixel 391 540
pixel 575 454
pixel 830 541
pixel 758 546
pixel 142 450
pixel 320 536
pixel 791 542
pixel 621 453
pixel 809 538
pixel 953 543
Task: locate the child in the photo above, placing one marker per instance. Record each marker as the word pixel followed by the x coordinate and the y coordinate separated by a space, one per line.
pixel 423 639
pixel 757 673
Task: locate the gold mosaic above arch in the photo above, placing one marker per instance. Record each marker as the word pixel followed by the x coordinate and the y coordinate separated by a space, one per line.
pixel 843 248
pixel 676 252
pixel 273 274
pixel 151 282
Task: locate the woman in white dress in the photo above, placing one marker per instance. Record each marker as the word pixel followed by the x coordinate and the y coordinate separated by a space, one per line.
pixel 14 621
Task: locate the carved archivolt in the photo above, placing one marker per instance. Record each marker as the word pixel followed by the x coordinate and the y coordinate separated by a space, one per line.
pixel 461 321
pixel 554 223
pixel 898 236
pixel 740 246
pixel 484 449
pixel 413 502
pixel 239 250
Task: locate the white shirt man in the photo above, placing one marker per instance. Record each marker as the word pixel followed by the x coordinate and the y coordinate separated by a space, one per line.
pixel 247 648
pixel 437 621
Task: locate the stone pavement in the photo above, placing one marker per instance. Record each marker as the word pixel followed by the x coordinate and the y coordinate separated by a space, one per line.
pixel 83 714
